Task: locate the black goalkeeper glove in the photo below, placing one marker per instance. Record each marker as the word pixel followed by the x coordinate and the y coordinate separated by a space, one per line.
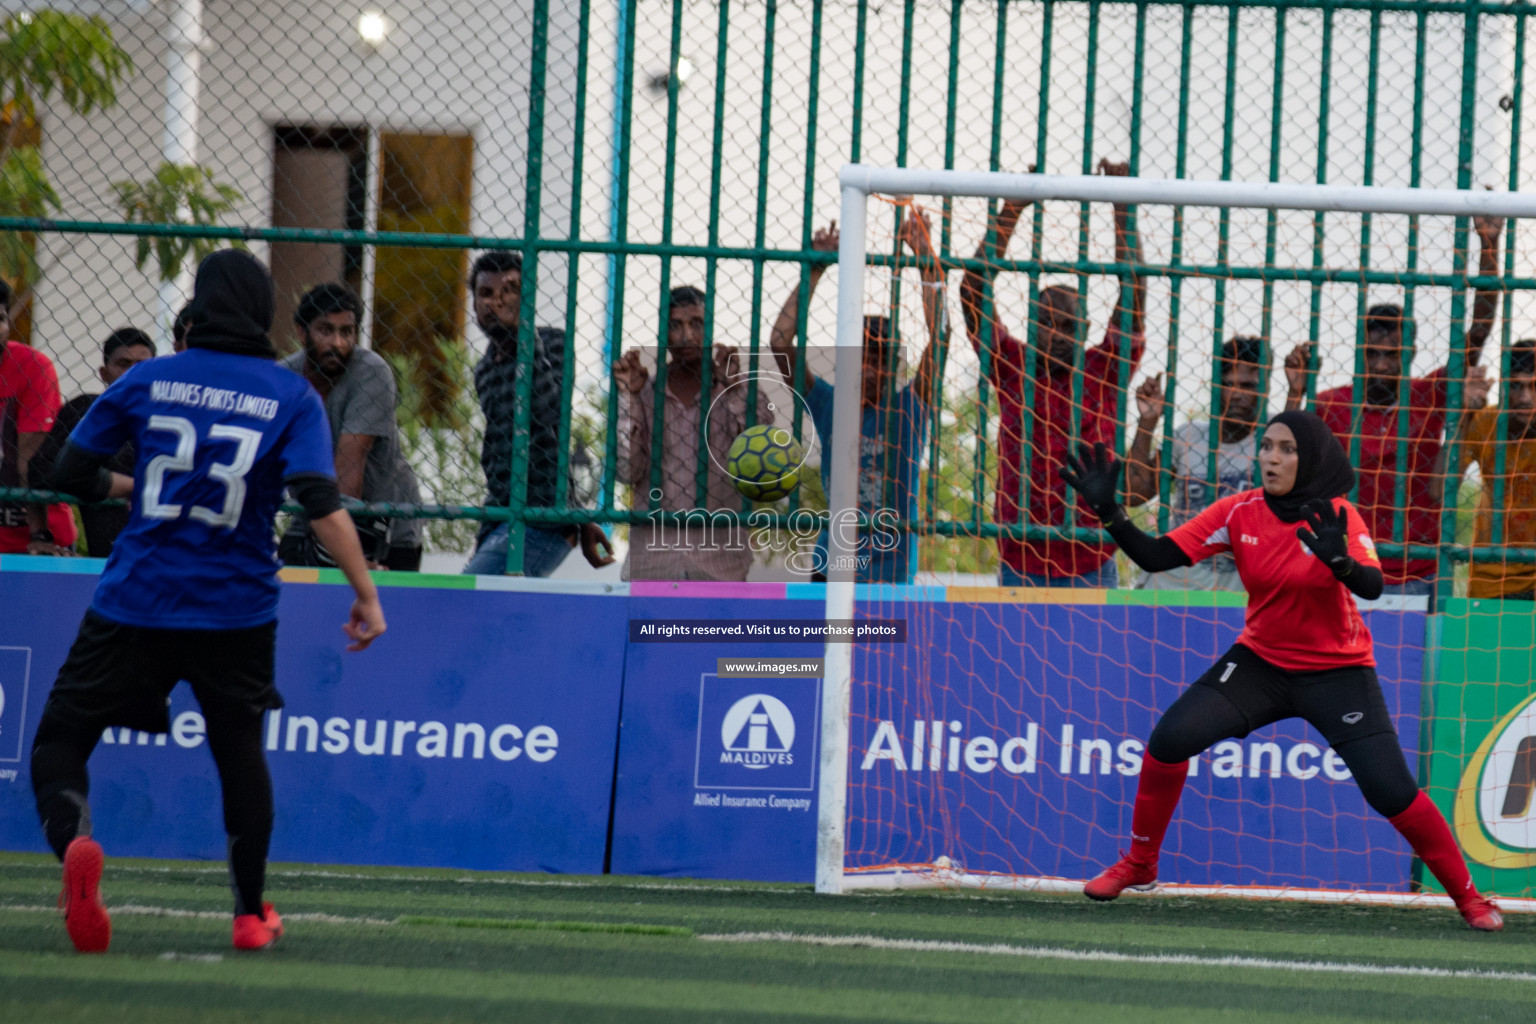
pixel 1327 537
pixel 1095 474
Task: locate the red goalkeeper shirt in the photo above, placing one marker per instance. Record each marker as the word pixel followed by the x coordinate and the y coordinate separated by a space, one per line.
pixel 1299 616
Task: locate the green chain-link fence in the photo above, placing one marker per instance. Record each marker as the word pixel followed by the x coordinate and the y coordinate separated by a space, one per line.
pixel 623 149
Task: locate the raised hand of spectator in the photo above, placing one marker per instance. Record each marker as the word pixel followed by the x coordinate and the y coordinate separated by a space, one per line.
pixel 1475 388
pixel 722 360
pixel 917 232
pixel 1110 169
pixel 1008 216
pixel 826 239
pixel 596 548
pixel 629 373
pixel 1297 368
pixel 1488 229
pixel 1150 401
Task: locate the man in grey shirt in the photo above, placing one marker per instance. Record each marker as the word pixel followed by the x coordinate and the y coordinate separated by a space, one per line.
pixel 1243 362
pixel 358 388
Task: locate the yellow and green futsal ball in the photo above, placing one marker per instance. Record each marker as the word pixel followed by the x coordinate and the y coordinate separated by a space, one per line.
pixel 764 461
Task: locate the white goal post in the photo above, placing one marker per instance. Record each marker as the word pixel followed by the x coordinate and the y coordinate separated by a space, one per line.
pixel 857 183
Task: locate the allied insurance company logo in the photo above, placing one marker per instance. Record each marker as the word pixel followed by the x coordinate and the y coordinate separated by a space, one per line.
pixel 1494 815
pixel 15 670
pixel 756 733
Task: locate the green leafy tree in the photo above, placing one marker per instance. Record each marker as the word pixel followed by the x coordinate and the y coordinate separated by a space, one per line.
pixel 176 194
pixel 47 55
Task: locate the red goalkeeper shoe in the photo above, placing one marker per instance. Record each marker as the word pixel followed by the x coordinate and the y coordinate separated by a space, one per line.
pixel 1124 874
pixel 254 931
pixel 85 916
pixel 1482 914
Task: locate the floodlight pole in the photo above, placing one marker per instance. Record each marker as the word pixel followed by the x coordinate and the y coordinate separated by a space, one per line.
pixel 842 545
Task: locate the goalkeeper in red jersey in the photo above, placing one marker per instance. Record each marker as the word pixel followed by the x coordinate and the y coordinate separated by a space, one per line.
pixel 1303 554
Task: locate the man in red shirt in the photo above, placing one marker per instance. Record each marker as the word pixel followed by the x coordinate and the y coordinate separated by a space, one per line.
pixel 29 401
pixel 1375 422
pixel 1058 316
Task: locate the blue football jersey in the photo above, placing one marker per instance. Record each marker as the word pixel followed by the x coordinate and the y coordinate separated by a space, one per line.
pixel 216 436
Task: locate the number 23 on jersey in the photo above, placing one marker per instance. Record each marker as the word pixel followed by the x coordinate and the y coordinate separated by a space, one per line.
pixel 184 460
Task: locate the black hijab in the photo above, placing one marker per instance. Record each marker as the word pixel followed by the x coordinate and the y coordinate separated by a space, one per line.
pixel 231 307
pixel 1322 466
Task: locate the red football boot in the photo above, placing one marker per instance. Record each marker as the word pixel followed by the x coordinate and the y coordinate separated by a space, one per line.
pixel 254 931
pixel 85 916
pixel 1482 914
pixel 1123 874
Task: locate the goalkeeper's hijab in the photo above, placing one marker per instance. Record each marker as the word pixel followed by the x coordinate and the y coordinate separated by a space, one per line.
pixel 1322 466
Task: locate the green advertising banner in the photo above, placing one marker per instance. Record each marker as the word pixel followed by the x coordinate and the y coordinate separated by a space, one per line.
pixel 1482 738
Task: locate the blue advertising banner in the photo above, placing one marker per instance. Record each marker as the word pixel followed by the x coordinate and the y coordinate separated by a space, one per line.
pixel 479 733
pixel 717 777
pixel 1006 737
pixel 1011 738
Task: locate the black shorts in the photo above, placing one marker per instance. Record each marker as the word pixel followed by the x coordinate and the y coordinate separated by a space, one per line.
pixel 1343 703
pixel 123 675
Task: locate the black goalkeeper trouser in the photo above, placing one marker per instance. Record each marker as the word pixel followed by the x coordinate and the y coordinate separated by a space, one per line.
pixel 119 675
pixel 1243 692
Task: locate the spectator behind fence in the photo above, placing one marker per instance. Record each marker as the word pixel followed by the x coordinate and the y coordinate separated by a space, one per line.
pixel 1505 579
pixel 360 396
pixel 179 328
pixel 1388 358
pixel 496 284
pixel 1244 366
pixel 29 401
pixel 697 551
pixel 124 349
pixel 893 419
pixel 1058 323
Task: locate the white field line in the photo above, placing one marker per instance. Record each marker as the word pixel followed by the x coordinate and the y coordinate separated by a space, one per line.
pixel 921 877
pixel 1106 956
pixel 140 910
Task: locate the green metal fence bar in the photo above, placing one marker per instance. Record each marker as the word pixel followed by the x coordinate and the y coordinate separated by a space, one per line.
pixel 1409 327
pixel 1315 309
pixel 1223 243
pixel 528 334
pixel 712 265
pixel 899 213
pixel 654 483
pixel 1103 268
pixel 1272 219
pixel 807 228
pixel 1361 305
pixel 578 154
pixel 946 211
pixel 1036 241
pixel 619 232
pixel 760 229
pixel 1501 429
pixel 1176 255
pixel 989 322
pixel 1079 351
pixel 1128 284
pixel 1457 365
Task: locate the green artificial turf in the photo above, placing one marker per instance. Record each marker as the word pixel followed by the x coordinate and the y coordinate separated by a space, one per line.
pixel 419 945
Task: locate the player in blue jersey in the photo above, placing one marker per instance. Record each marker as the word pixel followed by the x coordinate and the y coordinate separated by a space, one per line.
pixel 190 590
